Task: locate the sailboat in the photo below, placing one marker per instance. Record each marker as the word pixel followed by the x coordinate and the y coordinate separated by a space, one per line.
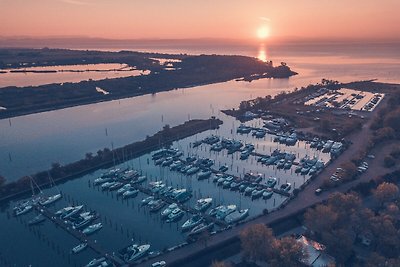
pixel 44 201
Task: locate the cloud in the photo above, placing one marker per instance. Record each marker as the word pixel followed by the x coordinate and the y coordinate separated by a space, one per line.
pixel 265 19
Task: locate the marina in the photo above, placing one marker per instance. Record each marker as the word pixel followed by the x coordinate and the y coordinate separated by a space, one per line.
pixel 184 176
pixel 124 219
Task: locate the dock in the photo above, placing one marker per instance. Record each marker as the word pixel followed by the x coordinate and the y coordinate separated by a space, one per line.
pixel 79 236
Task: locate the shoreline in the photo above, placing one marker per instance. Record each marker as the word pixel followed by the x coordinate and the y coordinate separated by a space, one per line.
pixel 106 158
pixel 190 71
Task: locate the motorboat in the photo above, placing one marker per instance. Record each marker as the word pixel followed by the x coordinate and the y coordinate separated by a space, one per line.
pixel 175 165
pixel 196 143
pixel 116 186
pixel 192 170
pixel 227 182
pixel 79 248
pixel 204 174
pixel 101 180
pixel 223 168
pixel 244 154
pixel 175 215
pixel 288 165
pixel 95 262
pixel 181 195
pixel 168 210
pixel 107 185
pixel 139 179
pixel 168 161
pixel 267 193
pixel 243 129
pixel 146 200
pixel 235 185
pixel 130 175
pixel 217 147
pixel 223 212
pixel 271 182
pixel 203 204
pixel 249 189
pixel 220 180
pixel 92 228
pixel 135 252
pixel 236 216
pixel 192 222
pixel 22 209
pixel 71 212
pixel 123 189
pixel 280 164
pixel 130 193
pixel 37 219
pixel 298 169
pixel 83 221
pixel 286 187
pixel 257 193
pixel 243 187
pixel 157 205
pixel 202 227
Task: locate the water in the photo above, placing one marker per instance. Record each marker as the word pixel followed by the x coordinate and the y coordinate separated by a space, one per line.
pixel 31 143
pixel 66 73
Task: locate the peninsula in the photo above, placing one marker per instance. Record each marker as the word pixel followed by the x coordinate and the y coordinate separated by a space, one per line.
pixel 182 71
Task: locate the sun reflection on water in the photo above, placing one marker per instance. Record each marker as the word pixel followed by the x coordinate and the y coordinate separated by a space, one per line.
pixel 262 53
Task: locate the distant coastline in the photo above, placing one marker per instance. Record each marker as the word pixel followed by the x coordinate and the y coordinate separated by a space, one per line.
pixel 188 71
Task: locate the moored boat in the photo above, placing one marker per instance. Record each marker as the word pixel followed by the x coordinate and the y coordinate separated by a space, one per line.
pixel 95 262
pixel 203 204
pixel 22 209
pixel 223 212
pixel 237 216
pixel 50 200
pixel 37 219
pixel 192 222
pixel 134 252
pixel 79 248
pixel 92 228
pixel 175 215
pixel 130 193
pixel 168 210
pixel 201 228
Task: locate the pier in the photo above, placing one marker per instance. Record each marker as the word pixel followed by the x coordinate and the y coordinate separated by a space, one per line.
pixel 79 236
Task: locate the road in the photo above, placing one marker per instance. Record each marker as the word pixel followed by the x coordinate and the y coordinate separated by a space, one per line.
pixel 305 199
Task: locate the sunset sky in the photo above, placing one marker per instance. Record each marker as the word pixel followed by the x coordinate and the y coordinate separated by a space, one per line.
pixel 235 19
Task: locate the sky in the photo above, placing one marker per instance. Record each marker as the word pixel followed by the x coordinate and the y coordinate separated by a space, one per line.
pixel 187 19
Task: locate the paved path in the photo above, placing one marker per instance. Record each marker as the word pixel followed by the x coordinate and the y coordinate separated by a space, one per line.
pixel 305 199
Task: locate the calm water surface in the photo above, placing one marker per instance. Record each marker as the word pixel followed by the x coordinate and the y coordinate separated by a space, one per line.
pixel 31 143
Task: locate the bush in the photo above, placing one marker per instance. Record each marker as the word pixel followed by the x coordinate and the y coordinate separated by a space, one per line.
pixel 389 161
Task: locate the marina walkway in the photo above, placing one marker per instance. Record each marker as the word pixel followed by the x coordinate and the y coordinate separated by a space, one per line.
pixel 79 235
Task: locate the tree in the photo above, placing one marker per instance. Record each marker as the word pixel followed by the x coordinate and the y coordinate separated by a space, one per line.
pixel 382 134
pixel 288 252
pixel 320 219
pixel 392 119
pixel 257 241
pixel 349 170
pixel 389 161
pixel 220 264
pixel 386 192
pixel 2 181
pixel 204 237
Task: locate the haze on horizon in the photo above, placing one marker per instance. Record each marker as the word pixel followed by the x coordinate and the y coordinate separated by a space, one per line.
pixel 179 19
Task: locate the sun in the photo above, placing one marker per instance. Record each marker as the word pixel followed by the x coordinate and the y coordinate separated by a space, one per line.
pixel 263 32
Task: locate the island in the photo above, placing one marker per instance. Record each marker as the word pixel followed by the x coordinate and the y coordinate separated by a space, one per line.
pixel 182 71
